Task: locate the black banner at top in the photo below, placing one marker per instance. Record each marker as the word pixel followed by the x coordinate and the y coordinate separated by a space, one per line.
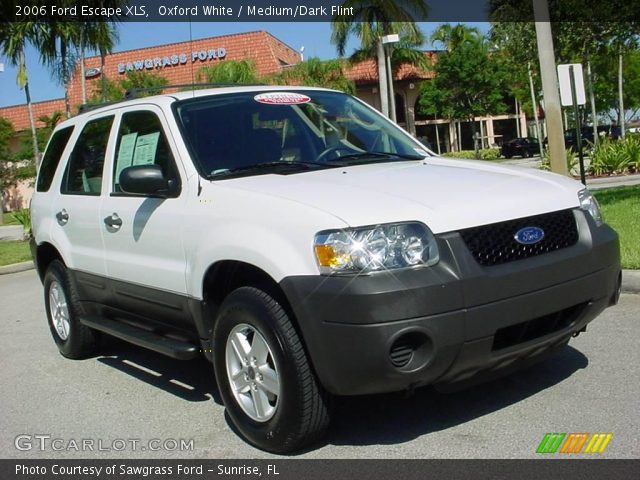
pixel 317 10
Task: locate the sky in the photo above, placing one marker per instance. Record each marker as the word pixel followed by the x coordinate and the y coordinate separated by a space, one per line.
pixel 315 37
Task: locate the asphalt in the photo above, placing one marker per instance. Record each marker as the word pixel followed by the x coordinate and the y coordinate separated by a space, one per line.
pixel 124 392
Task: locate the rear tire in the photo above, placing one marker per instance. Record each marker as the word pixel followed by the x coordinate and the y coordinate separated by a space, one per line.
pixel 268 387
pixel 74 340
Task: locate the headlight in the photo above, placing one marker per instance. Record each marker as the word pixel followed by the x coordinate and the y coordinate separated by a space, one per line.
pixel 589 203
pixel 370 249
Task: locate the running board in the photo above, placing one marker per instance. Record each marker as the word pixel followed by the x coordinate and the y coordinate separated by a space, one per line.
pixel 143 338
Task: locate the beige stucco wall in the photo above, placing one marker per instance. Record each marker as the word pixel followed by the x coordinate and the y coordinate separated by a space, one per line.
pixel 18 196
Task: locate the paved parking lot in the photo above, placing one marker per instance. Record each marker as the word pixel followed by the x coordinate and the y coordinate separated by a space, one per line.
pixel 132 395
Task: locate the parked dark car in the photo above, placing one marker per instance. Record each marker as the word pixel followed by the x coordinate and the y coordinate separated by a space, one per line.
pixel 523 147
pixel 610 131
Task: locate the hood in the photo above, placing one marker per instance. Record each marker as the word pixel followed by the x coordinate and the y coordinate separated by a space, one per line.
pixel 445 194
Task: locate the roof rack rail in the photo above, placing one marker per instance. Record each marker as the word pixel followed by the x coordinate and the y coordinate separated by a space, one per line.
pixel 134 92
pixel 87 107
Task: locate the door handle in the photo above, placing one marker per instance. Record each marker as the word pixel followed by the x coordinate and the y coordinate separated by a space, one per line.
pixel 62 217
pixel 113 221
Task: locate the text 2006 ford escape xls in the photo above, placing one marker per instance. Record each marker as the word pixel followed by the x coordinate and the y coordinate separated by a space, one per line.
pixel 308 247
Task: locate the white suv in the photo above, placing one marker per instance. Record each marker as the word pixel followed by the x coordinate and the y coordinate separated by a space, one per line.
pixel 308 247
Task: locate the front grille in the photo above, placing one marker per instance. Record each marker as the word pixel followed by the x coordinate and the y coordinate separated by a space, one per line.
pixel 537 327
pixel 495 244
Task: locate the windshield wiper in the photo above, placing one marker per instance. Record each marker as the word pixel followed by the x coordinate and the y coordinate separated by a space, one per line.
pixel 266 167
pixel 376 156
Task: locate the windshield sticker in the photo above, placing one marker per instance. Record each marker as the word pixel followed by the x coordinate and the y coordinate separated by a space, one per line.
pixel 281 98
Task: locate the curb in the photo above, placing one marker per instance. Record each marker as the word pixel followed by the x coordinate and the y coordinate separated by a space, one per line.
pixel 630 278
pixel 17 267
pixel 630 281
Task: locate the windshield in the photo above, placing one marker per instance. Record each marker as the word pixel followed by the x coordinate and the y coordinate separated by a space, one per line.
pixel 252 133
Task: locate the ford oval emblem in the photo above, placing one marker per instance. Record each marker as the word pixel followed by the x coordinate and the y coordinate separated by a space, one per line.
pixel 529 235
pixel 91 72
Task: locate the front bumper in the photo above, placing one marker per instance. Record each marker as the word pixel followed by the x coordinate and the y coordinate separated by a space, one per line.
pixel 454 320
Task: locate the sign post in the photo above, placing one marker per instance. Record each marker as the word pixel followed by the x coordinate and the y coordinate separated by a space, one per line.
pixel 572 93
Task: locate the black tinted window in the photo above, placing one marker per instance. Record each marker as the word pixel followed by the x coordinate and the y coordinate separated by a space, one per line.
pixel 51 158
pixel 141 141
pixel 84 170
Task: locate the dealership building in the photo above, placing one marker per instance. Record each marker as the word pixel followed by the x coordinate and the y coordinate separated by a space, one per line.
pixel 179 64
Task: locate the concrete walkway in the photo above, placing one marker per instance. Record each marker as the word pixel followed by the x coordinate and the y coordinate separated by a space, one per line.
pixel 592 183
pixel 11 232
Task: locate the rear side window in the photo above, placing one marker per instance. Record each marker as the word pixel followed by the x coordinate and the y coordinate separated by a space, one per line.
pixel 84 170
pixel 52 157
pixel 142 141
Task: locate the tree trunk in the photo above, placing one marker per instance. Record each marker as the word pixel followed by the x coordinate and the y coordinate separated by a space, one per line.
pixel 549 77
pixel 620 97
pixel 103 77
pixel 65 77
pixel 82 70
pixel 382 79
pixel 32 122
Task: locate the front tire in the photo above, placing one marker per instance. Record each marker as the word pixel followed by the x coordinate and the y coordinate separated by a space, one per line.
pixel 265 380
pixel 74 340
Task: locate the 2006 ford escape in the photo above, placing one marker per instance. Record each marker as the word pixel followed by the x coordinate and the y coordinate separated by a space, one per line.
pixel 308 247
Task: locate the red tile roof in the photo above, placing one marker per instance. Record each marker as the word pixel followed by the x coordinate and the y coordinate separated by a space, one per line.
pixel 366 72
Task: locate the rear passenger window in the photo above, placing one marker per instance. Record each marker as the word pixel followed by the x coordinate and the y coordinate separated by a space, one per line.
pixel 141 141
pixel 84 170
pixel 51 158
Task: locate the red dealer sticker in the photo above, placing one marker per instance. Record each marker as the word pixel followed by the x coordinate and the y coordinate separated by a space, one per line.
pixel 281 98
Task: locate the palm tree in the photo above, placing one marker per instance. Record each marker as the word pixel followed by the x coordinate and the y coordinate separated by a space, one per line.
pixel 14 37
pixel 404 52
pixel 100 36
pixel 370 21
pixel 314 72
pixel 451 37
pixel 54 45
pixel 60 39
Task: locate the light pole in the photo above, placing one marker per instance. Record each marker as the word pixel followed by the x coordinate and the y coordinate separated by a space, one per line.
pixel 388 41
pixel 382 78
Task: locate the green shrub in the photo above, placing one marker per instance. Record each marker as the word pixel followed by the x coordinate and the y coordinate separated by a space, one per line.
pixel 23 217
pixel 485 154
pixel 612 156
pixel 571 159
pixel 631 148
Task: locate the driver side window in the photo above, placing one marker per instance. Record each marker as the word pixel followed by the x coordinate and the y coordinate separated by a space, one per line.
pixel 142 141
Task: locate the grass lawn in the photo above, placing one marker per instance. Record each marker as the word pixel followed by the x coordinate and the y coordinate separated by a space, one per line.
pixel 14 252
pixel 621 210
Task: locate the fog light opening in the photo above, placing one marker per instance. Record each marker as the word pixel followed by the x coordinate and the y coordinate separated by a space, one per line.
pixel 411 351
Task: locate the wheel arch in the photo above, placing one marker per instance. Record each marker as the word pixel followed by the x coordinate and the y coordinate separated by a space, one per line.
pixel 225 276
pixel 45 254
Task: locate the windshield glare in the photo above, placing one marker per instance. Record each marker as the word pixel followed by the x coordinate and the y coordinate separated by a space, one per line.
pixel 237 131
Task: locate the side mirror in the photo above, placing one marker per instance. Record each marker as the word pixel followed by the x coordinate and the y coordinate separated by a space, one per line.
pixel 145 180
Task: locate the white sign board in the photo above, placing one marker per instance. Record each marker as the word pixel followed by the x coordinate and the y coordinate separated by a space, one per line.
pixel 564 79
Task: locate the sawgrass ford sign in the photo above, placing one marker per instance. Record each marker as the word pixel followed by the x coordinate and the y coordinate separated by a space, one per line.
pixel 173 60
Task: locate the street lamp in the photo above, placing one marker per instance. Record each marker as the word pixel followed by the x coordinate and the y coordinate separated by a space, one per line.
pixel 388 41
